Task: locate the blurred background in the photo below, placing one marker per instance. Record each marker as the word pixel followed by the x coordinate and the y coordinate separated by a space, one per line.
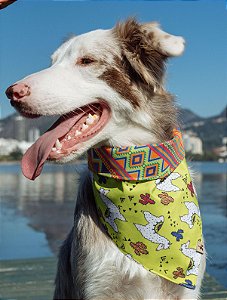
pixel 36 216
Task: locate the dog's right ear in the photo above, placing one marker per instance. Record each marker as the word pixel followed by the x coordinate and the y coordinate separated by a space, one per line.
pixel 146 47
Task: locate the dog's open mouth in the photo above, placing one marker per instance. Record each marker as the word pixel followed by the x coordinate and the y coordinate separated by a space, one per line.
pixel 65 136
pixel 89 120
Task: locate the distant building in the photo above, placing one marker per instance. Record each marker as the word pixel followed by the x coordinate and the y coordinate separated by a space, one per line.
pixel 192 143
pixel 33 134
pixel 19 128
pixel 220 120
pixel 221 151
pixel 198 123
pixel 7 146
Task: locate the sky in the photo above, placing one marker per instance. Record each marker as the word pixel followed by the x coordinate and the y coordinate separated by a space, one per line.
pixel 31 30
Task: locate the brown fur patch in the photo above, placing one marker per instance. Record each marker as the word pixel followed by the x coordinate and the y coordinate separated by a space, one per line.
pixel 117 78
pixel 164 115
pixel 145 66
pixel 141 51
pixel 123 78
pixel 126 81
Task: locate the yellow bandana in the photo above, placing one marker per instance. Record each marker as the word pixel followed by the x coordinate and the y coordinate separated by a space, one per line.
pixel 146 202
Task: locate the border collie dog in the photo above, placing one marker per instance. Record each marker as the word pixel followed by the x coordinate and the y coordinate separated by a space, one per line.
pixel 108 88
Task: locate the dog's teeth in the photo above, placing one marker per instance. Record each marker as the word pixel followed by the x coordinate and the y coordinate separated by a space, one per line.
pixel 90 119
pixel 84 127
pixel 58 145
pixel 69 137
pixel 77 133
pixel 53 149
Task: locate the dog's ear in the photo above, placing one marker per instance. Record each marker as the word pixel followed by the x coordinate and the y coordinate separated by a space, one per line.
pixel 146 47
pixel 168 44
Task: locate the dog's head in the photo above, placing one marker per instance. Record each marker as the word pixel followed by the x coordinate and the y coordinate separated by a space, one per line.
pixel 107 85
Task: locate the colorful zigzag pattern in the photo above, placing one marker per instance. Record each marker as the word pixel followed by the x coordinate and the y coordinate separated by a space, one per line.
pixel 147 162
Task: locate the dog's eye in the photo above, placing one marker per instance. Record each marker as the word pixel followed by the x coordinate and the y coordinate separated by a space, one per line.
pixel 85 61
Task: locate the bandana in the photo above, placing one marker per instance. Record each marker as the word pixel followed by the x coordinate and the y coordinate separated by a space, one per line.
pixel 147 204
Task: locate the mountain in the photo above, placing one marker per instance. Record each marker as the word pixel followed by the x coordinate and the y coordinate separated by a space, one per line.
pixel 211 130
pixel 186 116
pixel 223 114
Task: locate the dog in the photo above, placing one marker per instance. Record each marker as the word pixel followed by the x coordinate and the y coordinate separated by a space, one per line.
pixel 108 88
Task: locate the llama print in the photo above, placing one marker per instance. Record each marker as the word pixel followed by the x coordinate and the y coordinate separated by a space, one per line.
pixel 192 211
pixel 166 185
pixel 194 256
pixel 113 211
pixel 150 231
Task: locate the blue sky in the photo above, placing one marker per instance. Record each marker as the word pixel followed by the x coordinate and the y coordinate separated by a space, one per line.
pixel 31 30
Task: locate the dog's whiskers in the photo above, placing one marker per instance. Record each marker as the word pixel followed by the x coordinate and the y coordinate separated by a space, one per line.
pixel 91 108
pixel 95 107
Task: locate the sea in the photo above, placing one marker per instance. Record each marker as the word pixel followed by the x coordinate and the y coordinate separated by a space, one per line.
pixel 35 217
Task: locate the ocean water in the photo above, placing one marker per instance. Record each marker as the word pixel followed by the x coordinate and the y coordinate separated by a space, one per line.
pixel 36 216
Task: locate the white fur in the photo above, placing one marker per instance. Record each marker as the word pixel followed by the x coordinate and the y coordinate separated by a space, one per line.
pixel 66 86
pixel 169 44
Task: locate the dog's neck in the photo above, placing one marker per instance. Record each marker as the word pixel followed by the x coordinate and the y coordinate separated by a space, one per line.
pixel 133 135
pixel 152 123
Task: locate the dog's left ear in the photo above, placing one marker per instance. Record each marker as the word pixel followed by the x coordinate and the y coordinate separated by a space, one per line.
pixel 168 44
pixel 146 48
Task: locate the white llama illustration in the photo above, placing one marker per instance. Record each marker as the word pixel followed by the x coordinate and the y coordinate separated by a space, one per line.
pixel 113 211
pixel 194 256
pixel 166 184
pixel 193 210
pixel 150 231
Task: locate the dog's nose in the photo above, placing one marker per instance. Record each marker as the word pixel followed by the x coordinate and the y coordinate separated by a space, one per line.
pixel 17 91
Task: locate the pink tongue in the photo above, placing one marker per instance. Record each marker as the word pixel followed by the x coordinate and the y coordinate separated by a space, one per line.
pixel 37 154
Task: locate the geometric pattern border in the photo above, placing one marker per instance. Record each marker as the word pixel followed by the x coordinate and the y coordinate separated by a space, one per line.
pixel 144 162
